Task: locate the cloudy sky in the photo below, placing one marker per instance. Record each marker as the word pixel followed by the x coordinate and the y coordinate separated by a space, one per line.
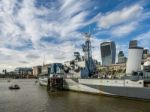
pixel 33 29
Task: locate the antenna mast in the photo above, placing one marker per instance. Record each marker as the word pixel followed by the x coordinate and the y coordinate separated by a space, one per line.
pixel 88 54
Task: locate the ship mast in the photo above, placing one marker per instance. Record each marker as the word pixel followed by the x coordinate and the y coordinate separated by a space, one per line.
pixel 87 49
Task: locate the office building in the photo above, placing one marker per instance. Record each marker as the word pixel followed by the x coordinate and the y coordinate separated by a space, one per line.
pixel 133 43
pixel 145 54
pixel 108 53
pixel 121 57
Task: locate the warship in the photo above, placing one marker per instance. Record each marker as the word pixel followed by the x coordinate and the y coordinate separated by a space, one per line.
pixel 81 75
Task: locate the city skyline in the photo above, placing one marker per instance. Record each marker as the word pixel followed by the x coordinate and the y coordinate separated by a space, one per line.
pixel 34 29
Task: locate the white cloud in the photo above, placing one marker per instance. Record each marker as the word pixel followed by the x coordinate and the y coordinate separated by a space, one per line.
pixel 144 39
pixel 120 16
pixel 96 48
pixel 24 25
pixel 27 24
pixel 123 30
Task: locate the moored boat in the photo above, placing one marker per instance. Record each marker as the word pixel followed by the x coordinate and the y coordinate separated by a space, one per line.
pixel 14 87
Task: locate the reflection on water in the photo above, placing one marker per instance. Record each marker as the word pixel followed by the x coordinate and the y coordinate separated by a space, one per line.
pixel 34 98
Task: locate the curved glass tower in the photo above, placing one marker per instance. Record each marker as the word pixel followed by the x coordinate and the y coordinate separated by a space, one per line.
pixel 108 53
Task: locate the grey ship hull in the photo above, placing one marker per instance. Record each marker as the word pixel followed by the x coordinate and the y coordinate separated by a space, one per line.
pixel 92 86
pixel 105 87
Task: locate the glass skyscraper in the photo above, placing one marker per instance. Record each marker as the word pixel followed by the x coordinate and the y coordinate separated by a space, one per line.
pixel 108 53
pixel 121 57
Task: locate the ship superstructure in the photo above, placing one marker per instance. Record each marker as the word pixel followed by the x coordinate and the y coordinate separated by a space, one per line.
pixel 87 49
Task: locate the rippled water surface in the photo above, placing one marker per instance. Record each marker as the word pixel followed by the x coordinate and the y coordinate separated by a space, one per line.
pixel 34 98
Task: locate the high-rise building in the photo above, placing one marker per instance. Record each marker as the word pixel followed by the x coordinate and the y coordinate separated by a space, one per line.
pixel 108 53
pixel 145 53
pixel 121 57
pixel 133 44
pixel 120 54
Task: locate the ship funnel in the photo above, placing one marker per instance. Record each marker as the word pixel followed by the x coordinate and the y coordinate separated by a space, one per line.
pixel 134 60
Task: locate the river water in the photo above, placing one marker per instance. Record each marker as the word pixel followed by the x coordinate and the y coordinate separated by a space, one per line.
pixel 34 98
